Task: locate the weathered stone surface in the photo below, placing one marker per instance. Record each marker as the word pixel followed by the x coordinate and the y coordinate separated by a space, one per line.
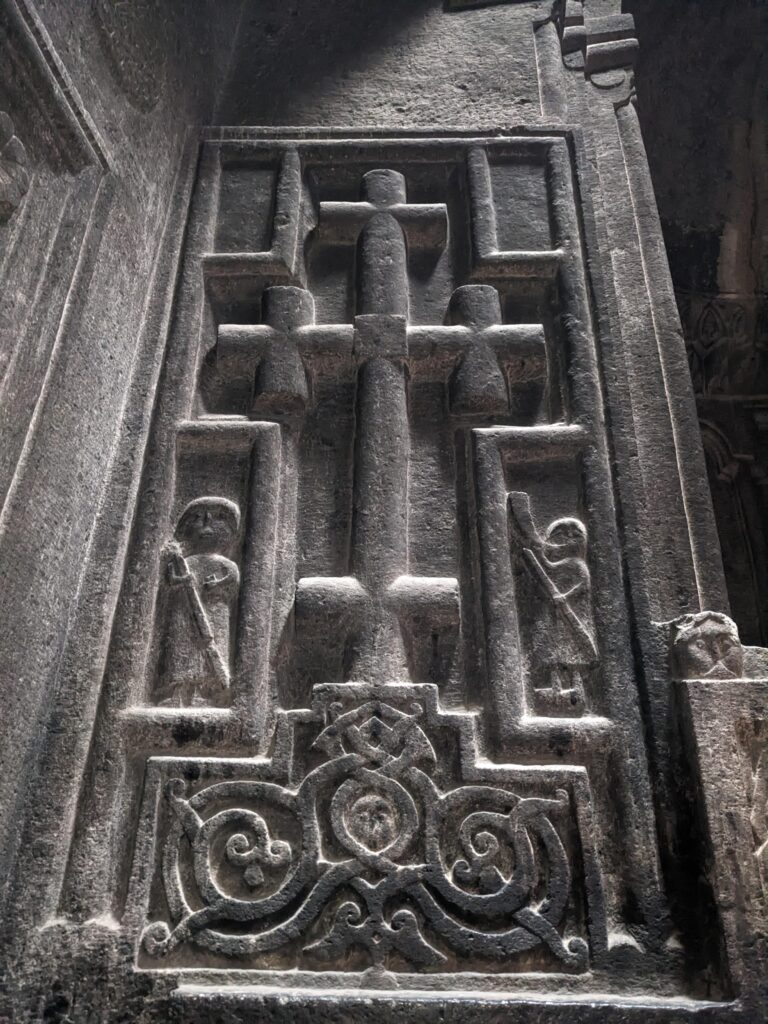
pixel 379 635
pixel 729 766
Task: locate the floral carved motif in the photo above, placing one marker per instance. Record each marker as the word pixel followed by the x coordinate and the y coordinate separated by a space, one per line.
pixel 366 854
pixel 725 336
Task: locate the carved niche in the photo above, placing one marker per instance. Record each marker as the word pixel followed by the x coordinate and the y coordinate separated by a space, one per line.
pixel 556 594
pixel 201 586
pixel 388 720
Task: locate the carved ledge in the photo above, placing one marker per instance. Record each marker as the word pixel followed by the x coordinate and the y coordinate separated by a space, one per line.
pixel 278 264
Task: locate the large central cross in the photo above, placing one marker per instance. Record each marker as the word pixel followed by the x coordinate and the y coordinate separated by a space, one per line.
pixel 379 600
pixel 380 593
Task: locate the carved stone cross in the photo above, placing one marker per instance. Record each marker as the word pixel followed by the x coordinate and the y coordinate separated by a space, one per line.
pixel 478 385
pixel 380 601
pixel 380 595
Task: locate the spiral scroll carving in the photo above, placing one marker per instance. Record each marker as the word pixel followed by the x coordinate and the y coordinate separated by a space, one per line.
pixel 366 856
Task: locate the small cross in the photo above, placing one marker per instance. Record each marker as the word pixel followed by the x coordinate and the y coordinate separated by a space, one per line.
pixel 474 342
pixel 478 385
pixel 270 353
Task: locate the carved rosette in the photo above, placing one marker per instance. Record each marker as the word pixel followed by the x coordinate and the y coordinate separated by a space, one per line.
pixel 366 857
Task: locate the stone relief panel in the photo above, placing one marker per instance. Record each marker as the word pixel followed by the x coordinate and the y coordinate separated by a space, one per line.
pixel 738 480
pixel 726 337
pixel 212 567
pixel 370 859
pixel 382 726
pixel 555 589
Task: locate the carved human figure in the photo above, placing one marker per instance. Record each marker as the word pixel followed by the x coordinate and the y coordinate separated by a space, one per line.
pixel 373 820
pixel 556 603
pixel 202 583
pixel 707 646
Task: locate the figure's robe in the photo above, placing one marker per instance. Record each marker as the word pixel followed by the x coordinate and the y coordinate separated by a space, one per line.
pixel 555 647
pixel 188 675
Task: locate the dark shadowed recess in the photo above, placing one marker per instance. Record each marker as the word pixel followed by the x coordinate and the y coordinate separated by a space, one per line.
pixel 702 85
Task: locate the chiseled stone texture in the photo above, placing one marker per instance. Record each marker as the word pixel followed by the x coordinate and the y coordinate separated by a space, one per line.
pixel 387 614
pixel 404 64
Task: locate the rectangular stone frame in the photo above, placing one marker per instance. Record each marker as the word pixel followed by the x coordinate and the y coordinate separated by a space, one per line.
pixel 586 402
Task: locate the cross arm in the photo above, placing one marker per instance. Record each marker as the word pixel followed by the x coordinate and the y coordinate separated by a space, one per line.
pixel 516 341
pixel 326 340
pixel 240 347
pixel 344 221
pixel 430 601
pixel 425 225
pixel 323 603
pixel 508 342
pixel 237 341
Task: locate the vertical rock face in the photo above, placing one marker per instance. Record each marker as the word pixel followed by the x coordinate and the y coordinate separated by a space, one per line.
pixel 397 674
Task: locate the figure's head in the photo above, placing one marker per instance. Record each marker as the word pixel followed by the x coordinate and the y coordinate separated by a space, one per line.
pixel 209 524
pixel 707 646
pixel 569 534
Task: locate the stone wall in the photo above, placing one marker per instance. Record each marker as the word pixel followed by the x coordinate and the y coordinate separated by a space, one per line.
pixel 366 645
pixel 98 103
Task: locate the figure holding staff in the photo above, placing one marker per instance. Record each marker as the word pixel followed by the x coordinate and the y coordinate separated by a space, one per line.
pixel 203 583
pixel 559 611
